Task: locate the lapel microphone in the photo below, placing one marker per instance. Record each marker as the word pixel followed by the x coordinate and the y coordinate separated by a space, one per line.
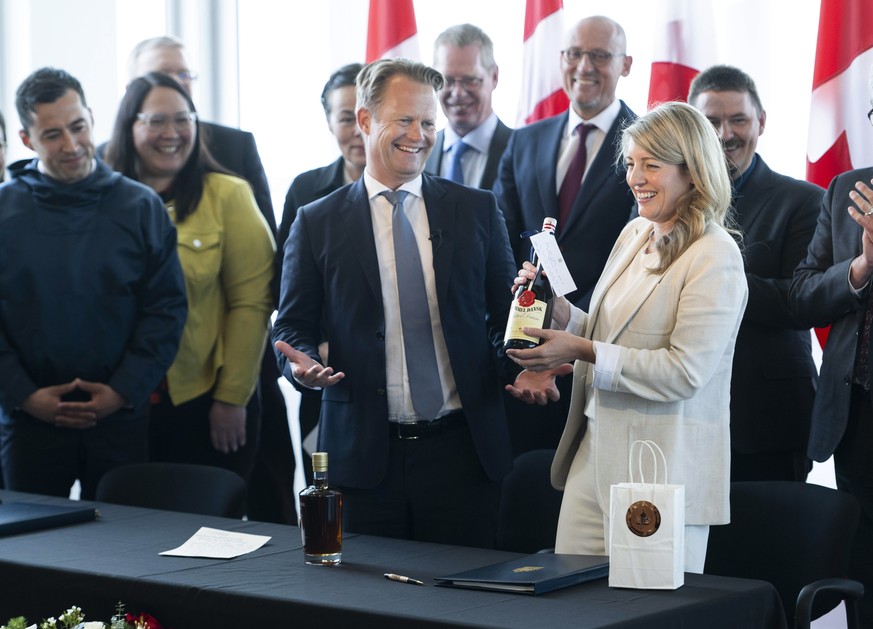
pixel 436 235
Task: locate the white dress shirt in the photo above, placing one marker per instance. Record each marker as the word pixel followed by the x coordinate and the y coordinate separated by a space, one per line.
pixel 400 407
pixel 473 162
pixel 570 140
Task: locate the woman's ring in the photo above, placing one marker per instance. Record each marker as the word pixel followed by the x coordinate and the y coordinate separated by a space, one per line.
pixel 870 213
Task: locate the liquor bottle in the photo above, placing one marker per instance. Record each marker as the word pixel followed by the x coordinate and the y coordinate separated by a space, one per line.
pixel 532 305
pixel 321 517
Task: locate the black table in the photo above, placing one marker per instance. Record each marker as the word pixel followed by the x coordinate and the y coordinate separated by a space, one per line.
pixel 95 564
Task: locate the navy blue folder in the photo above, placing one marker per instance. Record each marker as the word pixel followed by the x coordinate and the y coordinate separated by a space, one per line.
pixel 22 517
pixel 532 574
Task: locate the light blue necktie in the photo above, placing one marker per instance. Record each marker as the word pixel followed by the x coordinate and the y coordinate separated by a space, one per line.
pixel 421 362
pixel 456 170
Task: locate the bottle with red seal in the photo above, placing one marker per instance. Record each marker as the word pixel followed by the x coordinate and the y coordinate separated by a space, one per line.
pixel 532 305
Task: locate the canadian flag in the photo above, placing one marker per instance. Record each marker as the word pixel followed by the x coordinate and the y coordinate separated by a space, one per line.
pixel 839 133
pixel 684 45
pixel 391 30
pixel 542 94
pixel 839 136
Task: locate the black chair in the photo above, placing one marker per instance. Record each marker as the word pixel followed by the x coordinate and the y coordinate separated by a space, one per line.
pixel 529 505
pixel 175 487
pixel 797 536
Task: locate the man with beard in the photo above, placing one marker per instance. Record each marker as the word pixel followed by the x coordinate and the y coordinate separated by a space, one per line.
pixel 469 149
pixel 774 377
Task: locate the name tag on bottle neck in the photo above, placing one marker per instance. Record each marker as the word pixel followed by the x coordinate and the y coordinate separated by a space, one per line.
pixel 549 255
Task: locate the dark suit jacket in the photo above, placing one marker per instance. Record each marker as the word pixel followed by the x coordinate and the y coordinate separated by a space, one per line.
pixel 820 295
pixel 331 267
pixel 495 151
pixel 527 194
pixel 774 376
pixel 236 150
pixel 306 188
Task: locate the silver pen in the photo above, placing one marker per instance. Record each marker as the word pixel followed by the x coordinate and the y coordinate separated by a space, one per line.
pixel 401 579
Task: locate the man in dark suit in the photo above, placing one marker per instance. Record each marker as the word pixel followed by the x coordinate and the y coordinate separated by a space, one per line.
pixel 533 173
pixel 268 497
pixel 469 150
pixel 832 286
pixel 411 411
pixel 774 376
pixel 538 157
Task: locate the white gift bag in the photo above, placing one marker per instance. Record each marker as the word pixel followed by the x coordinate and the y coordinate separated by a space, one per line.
pixel 646 528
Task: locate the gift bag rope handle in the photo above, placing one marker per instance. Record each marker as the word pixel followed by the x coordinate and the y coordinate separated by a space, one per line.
pixel 651 446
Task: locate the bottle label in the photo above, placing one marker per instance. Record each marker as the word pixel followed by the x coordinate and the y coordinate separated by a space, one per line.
pixel 520 317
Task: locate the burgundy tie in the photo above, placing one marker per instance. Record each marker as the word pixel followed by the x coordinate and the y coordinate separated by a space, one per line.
pixel 573 179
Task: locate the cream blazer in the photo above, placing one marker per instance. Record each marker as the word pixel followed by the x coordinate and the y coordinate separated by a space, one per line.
pixel 673 386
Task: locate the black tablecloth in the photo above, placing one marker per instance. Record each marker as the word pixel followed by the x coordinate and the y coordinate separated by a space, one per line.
pixel 96 564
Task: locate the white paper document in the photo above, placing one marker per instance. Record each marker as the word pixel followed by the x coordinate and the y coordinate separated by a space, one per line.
pixel 218 544
pixel 550 256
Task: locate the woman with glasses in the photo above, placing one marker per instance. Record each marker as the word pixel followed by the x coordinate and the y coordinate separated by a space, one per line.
pixel 204 412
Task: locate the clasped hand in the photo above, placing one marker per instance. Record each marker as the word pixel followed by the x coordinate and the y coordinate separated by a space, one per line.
pixel 47 404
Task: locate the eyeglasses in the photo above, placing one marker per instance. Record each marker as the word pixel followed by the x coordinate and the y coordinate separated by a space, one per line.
pixel 184 76
pixel 599 58
pixel 469 83
pixel 155 123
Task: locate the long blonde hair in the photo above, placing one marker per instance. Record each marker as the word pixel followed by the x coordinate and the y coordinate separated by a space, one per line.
pixel 676 133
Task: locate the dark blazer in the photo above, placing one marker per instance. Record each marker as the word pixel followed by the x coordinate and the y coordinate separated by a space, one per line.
pixel 331 267
pixel 236 150
pixel 306 188
pixel 495 151
pixel 820 295
pixel 526 192
pixel 774 375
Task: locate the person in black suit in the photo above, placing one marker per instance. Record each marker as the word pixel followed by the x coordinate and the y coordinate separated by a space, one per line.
pixel 774 376
pixel 832 286
pixel 533 171
pixel 338 101
pixel 537 158
pixel 269 498
pixel 464 55
pixel 417 455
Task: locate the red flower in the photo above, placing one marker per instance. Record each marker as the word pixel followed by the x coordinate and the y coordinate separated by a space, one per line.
pixel 142 620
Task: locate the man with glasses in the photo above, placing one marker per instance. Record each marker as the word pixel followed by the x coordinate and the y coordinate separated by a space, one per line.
pixel 832 286
pixel 774 375
pixel 564 167
pixel 469 149
pixel 593 203
pixel 94 301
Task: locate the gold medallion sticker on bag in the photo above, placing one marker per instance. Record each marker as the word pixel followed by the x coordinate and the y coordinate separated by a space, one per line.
pixel 643 518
